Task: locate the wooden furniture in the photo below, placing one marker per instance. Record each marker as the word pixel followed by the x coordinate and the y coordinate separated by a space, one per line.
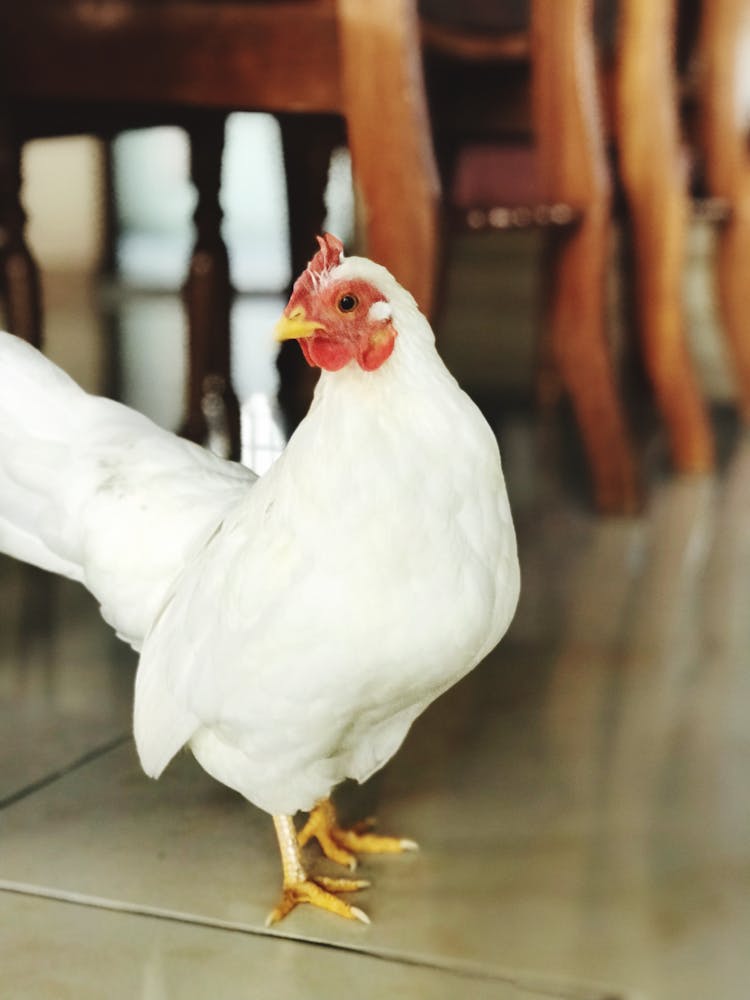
pixel 627 95
pixel 69 66
pixel 574 170
pixel 536 77
pixel 82 66
pixel 653 168
pixel 666 158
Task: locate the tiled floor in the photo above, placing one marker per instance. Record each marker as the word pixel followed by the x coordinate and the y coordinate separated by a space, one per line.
pixel 581 799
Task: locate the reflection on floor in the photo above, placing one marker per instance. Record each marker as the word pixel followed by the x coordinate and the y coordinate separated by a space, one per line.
pixel 581 799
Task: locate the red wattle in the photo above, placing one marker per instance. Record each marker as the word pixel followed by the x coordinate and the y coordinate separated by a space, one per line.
pixel 334 352
pixel 324 353
pixel 306 351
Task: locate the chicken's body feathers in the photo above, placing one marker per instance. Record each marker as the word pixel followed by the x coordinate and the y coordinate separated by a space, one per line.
pixel 381 568
pixel 291 628
pixel 94 490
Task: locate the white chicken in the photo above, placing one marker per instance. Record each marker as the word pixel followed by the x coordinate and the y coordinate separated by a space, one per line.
pixel 292 627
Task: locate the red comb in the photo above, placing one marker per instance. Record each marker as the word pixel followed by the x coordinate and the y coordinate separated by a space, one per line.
pixel 328 256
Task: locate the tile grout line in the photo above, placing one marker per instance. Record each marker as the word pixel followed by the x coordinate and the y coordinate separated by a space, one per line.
pixel 74 765
pixel 537 984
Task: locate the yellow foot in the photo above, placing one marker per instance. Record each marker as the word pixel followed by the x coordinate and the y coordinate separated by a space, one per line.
pixel 320 892
pixel 342 845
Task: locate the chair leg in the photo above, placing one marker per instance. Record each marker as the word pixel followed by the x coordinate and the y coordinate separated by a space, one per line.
pixel 19 275
pixel 573 169
pixel 390 141
pixel 212 407
pixel 655 180
pixel 725 25
pixel 581 352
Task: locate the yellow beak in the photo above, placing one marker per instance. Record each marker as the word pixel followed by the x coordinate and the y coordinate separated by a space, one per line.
pixel 295 327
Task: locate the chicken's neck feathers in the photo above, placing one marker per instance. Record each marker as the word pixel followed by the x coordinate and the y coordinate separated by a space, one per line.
pixel 401 437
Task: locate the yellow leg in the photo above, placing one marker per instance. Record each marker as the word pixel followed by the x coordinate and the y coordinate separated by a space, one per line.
pixel 299 887
pixel 342 845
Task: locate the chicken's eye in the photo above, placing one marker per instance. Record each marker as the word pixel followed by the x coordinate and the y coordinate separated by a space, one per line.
pixel 347 303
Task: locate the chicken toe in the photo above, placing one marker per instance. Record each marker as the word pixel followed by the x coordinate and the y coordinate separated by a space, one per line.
pixel 312 891
pixel 299 887
pixel 342 845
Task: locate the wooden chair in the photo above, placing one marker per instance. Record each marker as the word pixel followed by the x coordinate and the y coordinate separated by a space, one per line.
pixel 533 75
pixel 701 135
pixel 626 94
pixel 653 166
pixel 641 109
pixel 196 59
pixel 76 66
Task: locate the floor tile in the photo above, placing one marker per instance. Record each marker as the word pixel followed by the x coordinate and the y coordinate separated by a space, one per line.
pixel 65 680
pixel 105 830
pixel 57 951
pixel 580 799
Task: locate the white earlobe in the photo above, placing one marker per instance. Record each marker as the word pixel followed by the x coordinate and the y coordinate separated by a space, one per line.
pixel 379 311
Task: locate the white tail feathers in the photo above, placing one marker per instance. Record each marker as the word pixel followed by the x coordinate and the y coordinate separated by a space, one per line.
pixel 37 405
pixel 34 388
pixel 96 491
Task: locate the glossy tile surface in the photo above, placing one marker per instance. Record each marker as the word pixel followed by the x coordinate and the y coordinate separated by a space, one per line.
pixel 581 799
pixel 64 685
pixel 54 951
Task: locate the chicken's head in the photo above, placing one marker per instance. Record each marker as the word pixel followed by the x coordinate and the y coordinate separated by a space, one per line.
pixel 337 318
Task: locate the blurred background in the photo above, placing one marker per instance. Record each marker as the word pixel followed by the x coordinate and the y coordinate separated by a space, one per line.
pixel 565 187
pixel 551 181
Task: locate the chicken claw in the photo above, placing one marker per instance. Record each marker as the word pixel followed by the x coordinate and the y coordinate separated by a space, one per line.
pixel 299 887
pixel 319 892
pixel 341 845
